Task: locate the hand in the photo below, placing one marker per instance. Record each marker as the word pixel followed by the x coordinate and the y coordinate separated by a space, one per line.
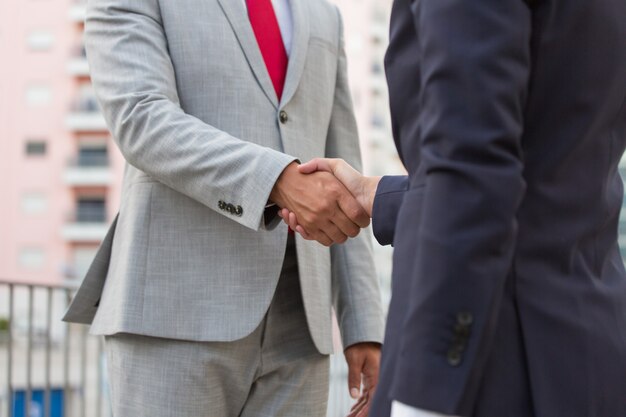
pixel 361 187
pixel 363 366
pixel 324 207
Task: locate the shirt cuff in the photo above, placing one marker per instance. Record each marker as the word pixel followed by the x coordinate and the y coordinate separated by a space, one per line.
pixel 402 410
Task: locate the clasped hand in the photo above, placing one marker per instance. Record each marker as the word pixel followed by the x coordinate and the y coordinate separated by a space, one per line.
pixel 325 200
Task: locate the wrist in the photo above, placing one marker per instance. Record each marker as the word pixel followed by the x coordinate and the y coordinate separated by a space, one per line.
pixel 370 185
pixel 278 191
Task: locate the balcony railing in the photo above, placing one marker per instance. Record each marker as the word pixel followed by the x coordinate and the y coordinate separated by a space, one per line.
pixel 91 160
pixel 88 170
pixel 54 369
pixel 85 115
pixel 86 225
pixel 50 368
pixel 83 121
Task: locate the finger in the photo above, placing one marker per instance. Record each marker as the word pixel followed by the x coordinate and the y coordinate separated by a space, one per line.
pixel 353 210
pixel 304 233
pixel 284 216
pixel 321 237
pixel 354 378
pixel 293 221
pixel 346 226
pixel 361 405
pixel 364 412
pixel 334 232
pixel 317 164
pixel 345 173
pixel 371 372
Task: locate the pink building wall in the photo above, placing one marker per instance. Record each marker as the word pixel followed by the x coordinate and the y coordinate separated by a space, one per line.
pixel 29 63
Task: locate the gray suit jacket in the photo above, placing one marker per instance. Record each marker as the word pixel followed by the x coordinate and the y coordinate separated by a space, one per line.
pixel 188 99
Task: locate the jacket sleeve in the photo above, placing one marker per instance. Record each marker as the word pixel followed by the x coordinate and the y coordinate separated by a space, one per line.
pixel 387 203
pixel 475 65
pixel 355 287
pixel 135 84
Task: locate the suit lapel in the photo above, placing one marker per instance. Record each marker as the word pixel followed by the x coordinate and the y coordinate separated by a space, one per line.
pixel 236 13
pixel 300 46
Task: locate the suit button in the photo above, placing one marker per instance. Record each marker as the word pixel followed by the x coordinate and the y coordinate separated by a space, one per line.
pixel 464 318
pixel 230 208
pixel 284 117
pixel 454 357
pixel 221 205
pixel 239 211
pixel 461 330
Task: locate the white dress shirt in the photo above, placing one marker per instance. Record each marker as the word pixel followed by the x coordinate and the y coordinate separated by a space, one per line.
pixel 402 410
pixel 285 21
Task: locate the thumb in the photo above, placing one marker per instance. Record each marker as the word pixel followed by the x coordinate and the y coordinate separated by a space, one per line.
pixel 354 378
pixel 317 164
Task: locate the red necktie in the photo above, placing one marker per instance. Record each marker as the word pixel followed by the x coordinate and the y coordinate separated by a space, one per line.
pixel 267 32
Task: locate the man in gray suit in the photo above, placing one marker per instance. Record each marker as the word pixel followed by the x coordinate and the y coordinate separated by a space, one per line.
pixel 210 307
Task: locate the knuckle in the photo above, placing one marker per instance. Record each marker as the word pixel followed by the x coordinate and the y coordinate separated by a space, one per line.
pixel 357 213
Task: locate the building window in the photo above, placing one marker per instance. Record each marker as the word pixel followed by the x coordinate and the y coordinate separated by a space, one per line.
pixel 40 41
pixel 38 95
pixel 36 148
pixel 92 155
pixel 34 203
pixel 91 210
pixel 31 258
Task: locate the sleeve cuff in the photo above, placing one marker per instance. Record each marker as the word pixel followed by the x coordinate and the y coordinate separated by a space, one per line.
pixel 389 197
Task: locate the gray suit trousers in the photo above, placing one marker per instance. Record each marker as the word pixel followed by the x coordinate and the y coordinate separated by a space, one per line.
pixel 274 372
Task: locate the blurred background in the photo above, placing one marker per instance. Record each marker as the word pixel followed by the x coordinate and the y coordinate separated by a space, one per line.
pixel 60 178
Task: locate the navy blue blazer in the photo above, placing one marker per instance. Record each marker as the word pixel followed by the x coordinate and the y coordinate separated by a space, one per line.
pixel 509 292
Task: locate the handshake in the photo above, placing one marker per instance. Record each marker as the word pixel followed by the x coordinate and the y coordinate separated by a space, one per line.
pixel 325 200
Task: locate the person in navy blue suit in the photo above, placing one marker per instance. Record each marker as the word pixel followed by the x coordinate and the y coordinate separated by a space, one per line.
pixel 509 291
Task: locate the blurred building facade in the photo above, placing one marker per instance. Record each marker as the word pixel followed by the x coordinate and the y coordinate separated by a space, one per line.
pixel 61 175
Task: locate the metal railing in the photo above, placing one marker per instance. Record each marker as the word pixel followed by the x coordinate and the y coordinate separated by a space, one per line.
pixel 88 215
pixel 89 161
pixel 52 369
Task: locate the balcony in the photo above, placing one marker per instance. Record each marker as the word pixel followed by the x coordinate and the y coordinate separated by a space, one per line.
pixel 88 170
pixel 86 122
pixel 87 226
pixel 85 116
pixel 77 12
